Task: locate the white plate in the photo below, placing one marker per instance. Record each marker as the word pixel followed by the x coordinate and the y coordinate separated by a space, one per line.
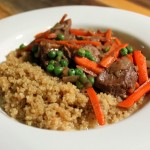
pixel 130 134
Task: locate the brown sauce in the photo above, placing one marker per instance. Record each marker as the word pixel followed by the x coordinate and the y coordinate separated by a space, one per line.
pixel 134 42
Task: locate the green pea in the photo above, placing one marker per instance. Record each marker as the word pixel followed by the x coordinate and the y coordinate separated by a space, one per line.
pixel 78 71
pixel 130 49
pixel 71 72
pixel 59 53
pixel 60 37
pixel 87 53
pixel 92 58
pixel 123 51
pixel 64 63
pixel 52 62
pixel 50 68
pixel 81 52
pixel 83 78
pixel 58 70
pixel 91 79
pixel 106 49
pixel 35 48
pixel 52 54
pixel 22 46
pixel 79 85
pixel 58 58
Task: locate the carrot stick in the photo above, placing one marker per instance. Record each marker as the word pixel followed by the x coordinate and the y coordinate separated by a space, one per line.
pixel 112 48
pixel 108 34
pixel 41 34
pixel 78 32
pixel 143 89
pixel 111 57
pixel 71 43
pixel 46 34
pixel 28 47
pixel 90 65
pixel 83 42
pixel 96 106
pixel 68 44
pixel 108 43
pixel 140 61
pixel 65 43
pixel 118 41
pixel 81 32
pixel 50 36
pixel 137 85
pixel 38 40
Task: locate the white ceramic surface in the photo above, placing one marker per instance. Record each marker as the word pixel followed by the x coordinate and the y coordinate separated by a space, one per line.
pixel 130 134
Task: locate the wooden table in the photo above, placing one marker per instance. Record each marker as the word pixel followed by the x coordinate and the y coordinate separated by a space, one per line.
pixel 11 7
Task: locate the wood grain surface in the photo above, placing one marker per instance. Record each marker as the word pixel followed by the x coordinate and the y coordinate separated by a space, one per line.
pixel 12 7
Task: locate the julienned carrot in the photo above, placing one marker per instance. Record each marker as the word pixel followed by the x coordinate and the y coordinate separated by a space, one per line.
pixel 90 65
pixel 137 85
pixel 117 41
pixel 68 44
pixel 28 47
pixel 96 106
pixel 112 48
pixel 143 89
pixel 78 32
pixel 99 35
pixel 41 34
pixel 140 61
pixel 50 36
pixel 65 43
pixel 108 34
pixel 83 42
pixel 47 35
pixel 109 59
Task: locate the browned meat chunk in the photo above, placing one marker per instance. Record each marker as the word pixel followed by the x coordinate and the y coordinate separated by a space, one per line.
pixel 45 47
pixel 63 28
pixel 118 78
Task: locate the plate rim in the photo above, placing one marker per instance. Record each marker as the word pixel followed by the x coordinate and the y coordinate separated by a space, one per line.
pixel 76 134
